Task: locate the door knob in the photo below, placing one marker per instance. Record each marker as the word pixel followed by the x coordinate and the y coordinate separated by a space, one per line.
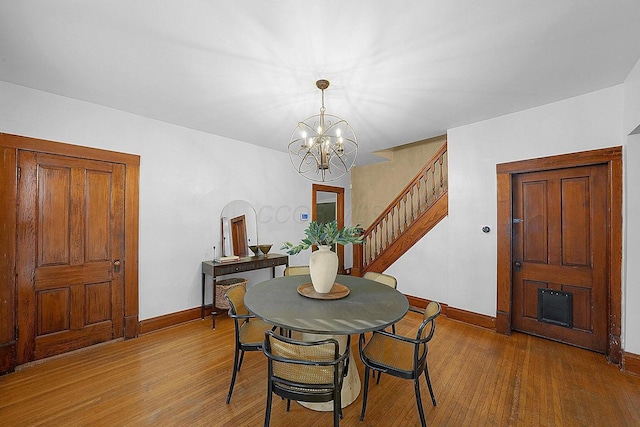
pixel 116 265
pixel 517 265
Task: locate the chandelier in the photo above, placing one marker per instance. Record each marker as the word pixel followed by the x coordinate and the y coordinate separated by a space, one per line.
pixel 323 147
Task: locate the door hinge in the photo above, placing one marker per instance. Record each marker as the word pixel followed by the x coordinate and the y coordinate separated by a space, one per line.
pixel 18 173
pixel 517 220
pixel 17 333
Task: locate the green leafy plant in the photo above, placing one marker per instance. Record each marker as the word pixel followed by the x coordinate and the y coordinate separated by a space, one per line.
pixel 325 234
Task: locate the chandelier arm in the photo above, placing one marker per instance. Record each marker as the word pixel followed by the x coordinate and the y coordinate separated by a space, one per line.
pixel 309 154
pixel 341 159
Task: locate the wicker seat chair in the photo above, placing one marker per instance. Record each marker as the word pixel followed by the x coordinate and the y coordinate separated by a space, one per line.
pixel 401 356
pixel 296 270
pixel 307 371
pixel 387 280
pixel 382 278
pixel 249 330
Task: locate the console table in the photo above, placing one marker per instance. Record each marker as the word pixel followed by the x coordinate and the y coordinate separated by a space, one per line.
pixel 216 269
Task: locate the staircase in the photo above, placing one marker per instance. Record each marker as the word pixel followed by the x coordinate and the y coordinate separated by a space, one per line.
pixel 416 210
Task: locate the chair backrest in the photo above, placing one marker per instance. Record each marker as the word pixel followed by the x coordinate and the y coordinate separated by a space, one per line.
pixel 296 270
pixel 235 296
pixel 382 278
pixel 428 325
pixel 425 332
pixel 305 365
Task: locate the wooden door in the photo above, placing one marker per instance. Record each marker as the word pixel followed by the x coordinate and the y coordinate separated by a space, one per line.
pixel 70 252
pixel 560 236
pixel 239 235
pixel 318 192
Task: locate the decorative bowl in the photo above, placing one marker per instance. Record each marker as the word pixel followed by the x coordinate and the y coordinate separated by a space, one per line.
pixel 265 248
pixel 254 249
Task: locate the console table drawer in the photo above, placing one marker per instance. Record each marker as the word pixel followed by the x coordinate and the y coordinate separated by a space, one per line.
pixel 230 269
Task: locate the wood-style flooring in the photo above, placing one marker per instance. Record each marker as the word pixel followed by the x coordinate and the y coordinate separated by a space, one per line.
pixel 180 376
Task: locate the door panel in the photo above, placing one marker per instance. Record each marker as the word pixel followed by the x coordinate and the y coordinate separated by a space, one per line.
pixel 559 237
pixel 50 319
pixel 576 218
pixel 53 216
pixel 72 212
pixel 535 246
pixel 98 215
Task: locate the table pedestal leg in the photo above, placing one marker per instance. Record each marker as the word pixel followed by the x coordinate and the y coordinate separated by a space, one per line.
pixel 351 383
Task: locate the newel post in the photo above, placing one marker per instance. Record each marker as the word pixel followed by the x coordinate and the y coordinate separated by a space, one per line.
pixel 357 260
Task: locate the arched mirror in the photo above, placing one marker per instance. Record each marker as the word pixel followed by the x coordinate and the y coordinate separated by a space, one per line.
pixel 239 228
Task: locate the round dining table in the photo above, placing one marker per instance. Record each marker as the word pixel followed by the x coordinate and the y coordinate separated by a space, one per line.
pixel 367 306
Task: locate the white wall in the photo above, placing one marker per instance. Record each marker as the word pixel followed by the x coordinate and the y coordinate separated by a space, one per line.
pixel 631 250
pixel 186 178
pixel 423 270
pixel 467 278
pixel 632 101
pixel 631 245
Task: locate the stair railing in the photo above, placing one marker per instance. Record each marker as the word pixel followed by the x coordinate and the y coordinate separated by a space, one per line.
pixel 412 202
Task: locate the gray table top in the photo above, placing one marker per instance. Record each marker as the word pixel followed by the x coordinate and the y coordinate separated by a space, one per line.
pixel 369 306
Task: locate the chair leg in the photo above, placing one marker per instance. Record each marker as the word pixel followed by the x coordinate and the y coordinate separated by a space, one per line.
pixel 285 332
pixel 241 359
pixel 337 410
pixel 267 414
pixel 288 404
pixel 426 375
pixel 379 375
pixel 416 386
pixel 233 376
pixel 366 392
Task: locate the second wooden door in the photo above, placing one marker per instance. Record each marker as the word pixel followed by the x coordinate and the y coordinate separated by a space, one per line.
pixel 560 250
pixel 70 253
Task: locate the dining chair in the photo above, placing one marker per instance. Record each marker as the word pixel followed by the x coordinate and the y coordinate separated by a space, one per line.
pixel 401 356
pixel 386 279
pixel 306 371
pixel 296 270
pixel 249 330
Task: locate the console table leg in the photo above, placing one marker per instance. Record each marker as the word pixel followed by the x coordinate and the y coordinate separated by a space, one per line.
pixel 213 304
pixel 202 306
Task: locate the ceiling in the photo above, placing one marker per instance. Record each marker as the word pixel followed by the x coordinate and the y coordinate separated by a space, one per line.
pixel 400 71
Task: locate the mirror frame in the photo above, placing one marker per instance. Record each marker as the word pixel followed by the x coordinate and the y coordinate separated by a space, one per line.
pixel 339 191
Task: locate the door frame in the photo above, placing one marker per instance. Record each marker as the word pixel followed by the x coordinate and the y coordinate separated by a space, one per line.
pixel 339 192
pixel 10 145
pixel 612 158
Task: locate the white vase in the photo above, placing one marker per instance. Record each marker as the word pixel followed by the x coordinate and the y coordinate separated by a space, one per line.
pixel 323 267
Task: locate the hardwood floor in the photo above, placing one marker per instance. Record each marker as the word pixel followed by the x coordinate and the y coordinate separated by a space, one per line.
pixel 180 377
